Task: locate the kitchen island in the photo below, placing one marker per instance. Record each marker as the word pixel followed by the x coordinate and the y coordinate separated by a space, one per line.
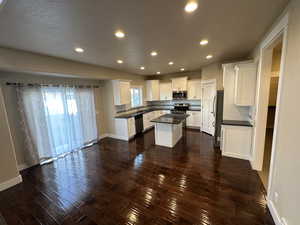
pixel 168 129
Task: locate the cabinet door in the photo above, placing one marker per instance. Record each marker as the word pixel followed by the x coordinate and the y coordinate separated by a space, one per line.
pixel 131 127
pixel 152 90
pixel 245 84
pixel 179 84
pixel 194 90
pixel 124 93
pixel 190 119
pixel 165 90
pixel 236 141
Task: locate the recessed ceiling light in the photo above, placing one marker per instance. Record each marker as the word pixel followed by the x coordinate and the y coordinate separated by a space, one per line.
pixel 182 69
pixel 120 34
pixel 157 72
pixel 203 42
pixel 79 50
pixel 142 67
pixel 191 6
pixel 209 57
pixel 171 63
pixel 154 53
pixel 119 61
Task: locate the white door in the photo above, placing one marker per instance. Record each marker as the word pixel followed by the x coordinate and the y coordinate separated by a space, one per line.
pixel 208 89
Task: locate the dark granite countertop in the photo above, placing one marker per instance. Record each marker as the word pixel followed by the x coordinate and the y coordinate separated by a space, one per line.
pixel 170 118
pixel 237 123
pixel 133 114
pixel 198 110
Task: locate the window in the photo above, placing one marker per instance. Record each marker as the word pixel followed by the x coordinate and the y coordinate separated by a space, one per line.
pixel 136 96
pixel 60 120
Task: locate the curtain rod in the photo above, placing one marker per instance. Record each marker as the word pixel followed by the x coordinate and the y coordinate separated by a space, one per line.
pixel 50 85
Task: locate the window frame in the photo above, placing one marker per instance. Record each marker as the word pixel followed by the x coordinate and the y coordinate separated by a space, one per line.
pixel 141 96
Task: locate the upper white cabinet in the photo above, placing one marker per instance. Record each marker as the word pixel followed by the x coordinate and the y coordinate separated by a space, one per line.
pixel 194 89
pixel 179 84
pixel 245 84
pixel 121 90
pixel 165 90
pixel 152 90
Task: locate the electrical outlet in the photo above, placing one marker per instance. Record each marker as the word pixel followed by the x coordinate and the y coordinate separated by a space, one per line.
pixel 276 196
pixel 283 221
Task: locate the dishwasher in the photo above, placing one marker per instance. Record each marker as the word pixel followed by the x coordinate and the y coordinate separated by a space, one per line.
pixel 139 126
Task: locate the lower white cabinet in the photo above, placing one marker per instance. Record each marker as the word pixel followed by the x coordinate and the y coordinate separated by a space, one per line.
pixel 125 128
pixel 147 117
pixel 236 141
pixel 194 119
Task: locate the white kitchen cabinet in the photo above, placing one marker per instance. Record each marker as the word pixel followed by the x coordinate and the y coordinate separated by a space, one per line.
pixel 152 90
pixel 165 90
pixel 125 128
pixel 194 119
pixel 236 141
pixel 147 117
pixel 245 84
pixel 194 89
pixel 121 91
pixel 179 84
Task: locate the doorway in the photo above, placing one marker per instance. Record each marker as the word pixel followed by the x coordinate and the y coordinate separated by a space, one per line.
pixel 271 110
pixel 208 92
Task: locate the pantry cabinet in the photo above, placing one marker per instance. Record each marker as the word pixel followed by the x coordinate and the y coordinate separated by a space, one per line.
pixel 121 92
pixel 152 90
pixel 194 89
pixel 245 84
pixel 165 90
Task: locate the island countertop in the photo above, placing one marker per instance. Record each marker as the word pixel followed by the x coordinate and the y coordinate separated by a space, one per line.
pixel 170 118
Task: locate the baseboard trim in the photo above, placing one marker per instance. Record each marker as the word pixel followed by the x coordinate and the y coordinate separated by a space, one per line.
pixel 118 137
pixel 10 183
pixel 22 166
pixel 234 155
pixel 274 213
pixel 103 136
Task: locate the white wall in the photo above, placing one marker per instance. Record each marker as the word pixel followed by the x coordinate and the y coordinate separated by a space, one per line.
pixel 213 71
pixel 286 181
pixel 286 178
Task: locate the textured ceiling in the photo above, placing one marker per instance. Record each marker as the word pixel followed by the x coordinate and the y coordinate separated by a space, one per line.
pixel 55 27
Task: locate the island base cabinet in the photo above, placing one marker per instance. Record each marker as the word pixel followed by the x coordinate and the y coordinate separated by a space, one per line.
pixel 236 141
pixel 167 134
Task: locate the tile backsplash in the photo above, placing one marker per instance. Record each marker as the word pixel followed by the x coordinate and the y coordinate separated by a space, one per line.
pixel 194 104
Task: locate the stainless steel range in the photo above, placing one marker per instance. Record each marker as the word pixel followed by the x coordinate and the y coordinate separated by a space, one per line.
pixel 180 108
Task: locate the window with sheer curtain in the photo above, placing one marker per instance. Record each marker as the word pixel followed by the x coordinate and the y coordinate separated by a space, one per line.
pixel 57 120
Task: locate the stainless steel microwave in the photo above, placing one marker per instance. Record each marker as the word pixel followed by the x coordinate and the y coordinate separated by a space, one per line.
pixel 179 95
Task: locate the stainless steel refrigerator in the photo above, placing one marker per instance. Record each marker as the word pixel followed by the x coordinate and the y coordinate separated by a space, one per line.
pixel 218 117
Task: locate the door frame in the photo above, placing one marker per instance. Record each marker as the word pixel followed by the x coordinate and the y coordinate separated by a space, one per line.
pixel 280 30
pixel 204 82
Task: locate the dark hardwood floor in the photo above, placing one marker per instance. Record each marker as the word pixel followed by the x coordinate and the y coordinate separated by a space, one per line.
pixel 119 183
